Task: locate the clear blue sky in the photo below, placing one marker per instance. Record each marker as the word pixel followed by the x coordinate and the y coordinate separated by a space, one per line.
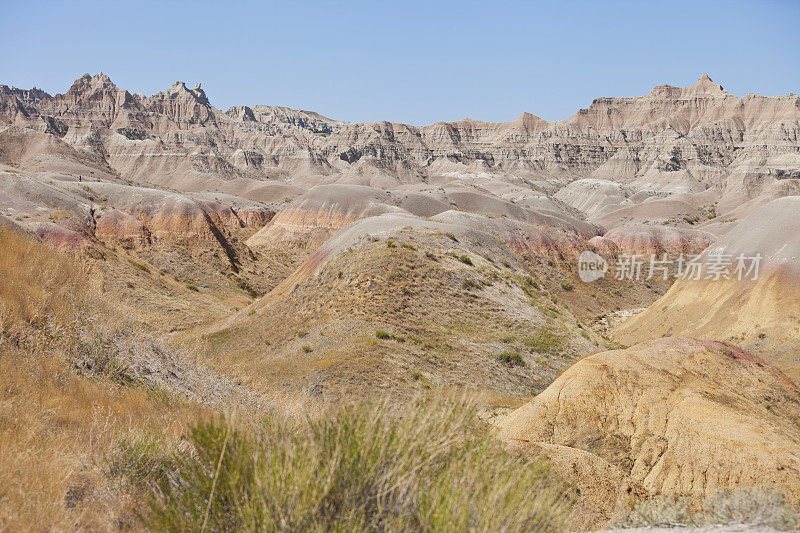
pixel 406 61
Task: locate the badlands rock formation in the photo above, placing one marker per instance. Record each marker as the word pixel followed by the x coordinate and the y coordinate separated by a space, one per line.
pixel 256 191
pixel 671 416
pixel 451 296
pixel 762 314
pixel 659 240
pixel 670 153
pixel 311 257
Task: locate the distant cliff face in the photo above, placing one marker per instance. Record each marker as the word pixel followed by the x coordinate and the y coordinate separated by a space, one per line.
pixel 741 148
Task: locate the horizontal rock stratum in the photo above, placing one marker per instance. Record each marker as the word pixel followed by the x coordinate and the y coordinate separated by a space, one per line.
pixel 677 141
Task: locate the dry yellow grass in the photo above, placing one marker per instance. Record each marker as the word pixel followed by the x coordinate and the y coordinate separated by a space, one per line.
pixel 37 283
pixel 56 427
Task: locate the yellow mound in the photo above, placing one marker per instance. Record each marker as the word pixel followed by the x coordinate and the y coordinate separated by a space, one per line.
pixel 673 416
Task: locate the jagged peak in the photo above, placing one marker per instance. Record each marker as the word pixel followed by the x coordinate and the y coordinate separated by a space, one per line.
pixel 88 82
pixel 705 86
pixel 197 93
pixel 529 119
pixel 242 112
pixel 34 93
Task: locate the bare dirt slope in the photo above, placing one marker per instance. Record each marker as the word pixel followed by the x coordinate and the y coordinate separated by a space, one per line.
pixel 671 416
pixel 762 315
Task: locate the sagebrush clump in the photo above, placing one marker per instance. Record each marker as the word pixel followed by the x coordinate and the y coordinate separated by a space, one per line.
pixel 424 467
pixel 750 506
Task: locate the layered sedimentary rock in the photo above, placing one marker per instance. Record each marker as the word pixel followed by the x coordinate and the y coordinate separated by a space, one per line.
pixel 674 141
pixel 671 416
pixel 114 212
pixel 655 240
pixel 747 290
pixel 324 210
pixel 650 170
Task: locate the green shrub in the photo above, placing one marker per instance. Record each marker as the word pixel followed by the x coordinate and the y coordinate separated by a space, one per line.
pixel 139 459
pixel 192 287
pixel 532 282
pixel 416 467
pixel 566 285
pixel 545 340
pixel 307 348
pixel 385 335
pixel 511 359
pixel 143 268
pixel 465 259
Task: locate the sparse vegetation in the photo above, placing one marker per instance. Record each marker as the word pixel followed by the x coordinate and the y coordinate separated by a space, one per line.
pixel 385 335
pixel 750 506
pixel 511 359
pixel 361 469
pixel 470 283
pixel 545 340
pixel 531 282
pixel 465 259
pixel 138 458
pixel 566 285
pixel 139 266
pixel 667 510
pixel 307 349
pixel 68 396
